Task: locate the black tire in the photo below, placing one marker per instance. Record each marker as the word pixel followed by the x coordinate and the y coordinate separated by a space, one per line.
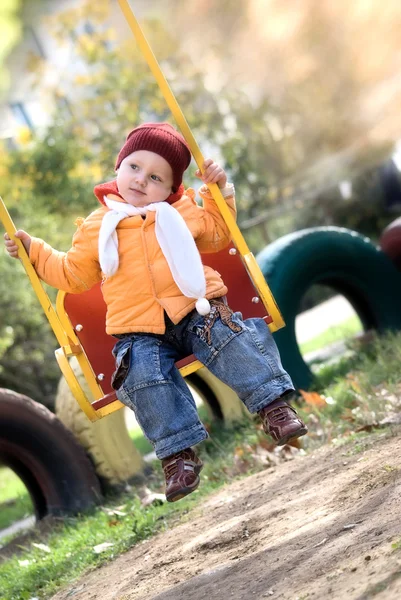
pixel 44 454
pixel 342 259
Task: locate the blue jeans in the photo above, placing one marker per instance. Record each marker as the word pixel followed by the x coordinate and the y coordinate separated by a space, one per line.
pixel 240 353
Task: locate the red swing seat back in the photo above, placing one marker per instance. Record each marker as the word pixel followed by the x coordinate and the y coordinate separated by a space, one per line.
pixel 87 313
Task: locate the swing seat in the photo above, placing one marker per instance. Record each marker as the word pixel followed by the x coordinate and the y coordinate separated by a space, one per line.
pixel 83 319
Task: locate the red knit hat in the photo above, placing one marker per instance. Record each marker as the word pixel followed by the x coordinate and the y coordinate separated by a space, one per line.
pixel 162 139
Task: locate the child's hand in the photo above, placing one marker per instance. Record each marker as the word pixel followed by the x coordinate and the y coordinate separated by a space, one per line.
pixel 12 247
pixel 212 173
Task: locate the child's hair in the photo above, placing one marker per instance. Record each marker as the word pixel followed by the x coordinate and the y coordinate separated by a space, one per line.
pixel 162 139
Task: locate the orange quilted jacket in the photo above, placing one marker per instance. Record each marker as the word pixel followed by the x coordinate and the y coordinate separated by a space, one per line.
pixel 143 287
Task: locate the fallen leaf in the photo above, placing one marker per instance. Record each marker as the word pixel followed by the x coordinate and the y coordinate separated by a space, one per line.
pixel 295 443
pixel 114 522
pixel 102 547
pixel 313 398
pixel 148 497
pixel 266 444
pixel 368 427
pixel 354 381
pixel 42 547
pixel 24 563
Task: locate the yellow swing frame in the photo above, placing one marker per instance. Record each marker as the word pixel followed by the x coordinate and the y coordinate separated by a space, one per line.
pixel 58 318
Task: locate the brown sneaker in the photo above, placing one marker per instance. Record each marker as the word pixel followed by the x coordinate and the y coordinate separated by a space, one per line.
pixel 280 420
pixel 181 471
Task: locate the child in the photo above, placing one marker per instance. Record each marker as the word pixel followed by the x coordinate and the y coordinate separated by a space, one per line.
pixel 163 304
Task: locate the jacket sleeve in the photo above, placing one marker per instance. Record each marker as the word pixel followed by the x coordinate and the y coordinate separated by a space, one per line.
pixel 214 234
pixel 74 271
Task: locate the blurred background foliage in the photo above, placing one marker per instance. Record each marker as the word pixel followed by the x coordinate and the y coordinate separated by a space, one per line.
pixel 293 124
pixel 10 33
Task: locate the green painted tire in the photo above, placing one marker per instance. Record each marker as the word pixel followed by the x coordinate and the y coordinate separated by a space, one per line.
pixel 342 259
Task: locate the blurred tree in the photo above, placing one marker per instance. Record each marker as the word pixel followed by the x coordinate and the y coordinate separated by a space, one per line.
pixel 41 184
pixel 114 90
pixel 51 171
pixel 324 89
pixel 10 33
pixel 27 362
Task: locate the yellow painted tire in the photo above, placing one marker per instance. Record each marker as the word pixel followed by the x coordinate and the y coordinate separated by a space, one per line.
pixel 222 401
pixel 115 458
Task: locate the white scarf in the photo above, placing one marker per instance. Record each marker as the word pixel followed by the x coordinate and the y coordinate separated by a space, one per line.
pixel 175 240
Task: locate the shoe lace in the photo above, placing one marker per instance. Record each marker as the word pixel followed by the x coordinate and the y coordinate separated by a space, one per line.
pixel 171 469
pixel 278 415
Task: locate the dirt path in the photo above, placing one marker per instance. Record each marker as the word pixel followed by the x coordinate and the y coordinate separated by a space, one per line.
pixel 321 526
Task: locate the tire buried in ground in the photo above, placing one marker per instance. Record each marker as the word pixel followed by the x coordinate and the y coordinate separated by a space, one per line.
pixel 341 259
pixel 222 401
pixel 115 458
pixel 44 454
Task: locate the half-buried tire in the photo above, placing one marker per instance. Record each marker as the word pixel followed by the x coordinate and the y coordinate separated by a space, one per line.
pixel 341 259
pixel 107 441
pixel 44 454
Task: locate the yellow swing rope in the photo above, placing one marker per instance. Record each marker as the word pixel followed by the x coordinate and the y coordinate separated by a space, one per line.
pixel 44 299
pixel 249 261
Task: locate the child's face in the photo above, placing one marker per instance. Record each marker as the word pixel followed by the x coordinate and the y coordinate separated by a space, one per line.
pixel 144 177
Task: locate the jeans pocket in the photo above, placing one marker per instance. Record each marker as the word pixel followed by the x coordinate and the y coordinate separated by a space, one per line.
pixel 219 325
pixel 123 363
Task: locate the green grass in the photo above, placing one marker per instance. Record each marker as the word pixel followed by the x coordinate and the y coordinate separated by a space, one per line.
pixel 336 333
pixel 11 486
pixel 361 390
pixel 15 502
pixel 141 443
pixel 396 545
pixel 71 547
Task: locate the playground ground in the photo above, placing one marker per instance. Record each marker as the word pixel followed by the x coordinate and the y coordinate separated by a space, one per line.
pixel 325 525
pixel 322 526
